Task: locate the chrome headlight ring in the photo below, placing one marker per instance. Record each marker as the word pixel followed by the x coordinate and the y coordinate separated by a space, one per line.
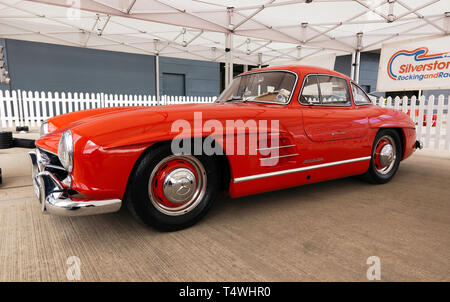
pixel 65 150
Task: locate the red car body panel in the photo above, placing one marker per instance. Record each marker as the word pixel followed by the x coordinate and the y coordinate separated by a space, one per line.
pixel 108 142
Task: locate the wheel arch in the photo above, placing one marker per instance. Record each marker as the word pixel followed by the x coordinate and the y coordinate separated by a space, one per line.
pixel 222 162
pixel 401 134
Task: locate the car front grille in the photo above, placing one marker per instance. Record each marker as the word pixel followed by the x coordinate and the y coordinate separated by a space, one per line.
pixel 52 164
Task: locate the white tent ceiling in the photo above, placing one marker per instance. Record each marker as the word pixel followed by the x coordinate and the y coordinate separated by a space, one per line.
pixel 263 31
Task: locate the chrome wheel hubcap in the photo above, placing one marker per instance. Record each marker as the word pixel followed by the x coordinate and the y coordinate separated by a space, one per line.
pixel 177 184
pixel 385 155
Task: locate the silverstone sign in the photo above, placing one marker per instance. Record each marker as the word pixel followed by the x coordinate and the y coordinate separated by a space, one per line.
pixel 415 64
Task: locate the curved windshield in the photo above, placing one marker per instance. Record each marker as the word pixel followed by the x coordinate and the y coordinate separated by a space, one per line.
pixel 270 86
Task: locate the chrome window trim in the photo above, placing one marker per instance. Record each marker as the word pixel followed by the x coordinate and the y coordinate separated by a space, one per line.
pixel 295 170
pixel 353 83
pixel 320 94
pixel 273 70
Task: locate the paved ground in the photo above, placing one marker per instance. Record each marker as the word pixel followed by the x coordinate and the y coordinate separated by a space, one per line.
pixel 318 232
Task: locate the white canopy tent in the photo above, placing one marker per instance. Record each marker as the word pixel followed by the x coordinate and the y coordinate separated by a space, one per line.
pixel 255 32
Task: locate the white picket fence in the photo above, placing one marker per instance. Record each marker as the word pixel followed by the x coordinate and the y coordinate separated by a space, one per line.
pixel 26 108
pixel 431 117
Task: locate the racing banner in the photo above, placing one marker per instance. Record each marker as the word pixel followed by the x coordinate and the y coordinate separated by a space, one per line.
pixel 415 64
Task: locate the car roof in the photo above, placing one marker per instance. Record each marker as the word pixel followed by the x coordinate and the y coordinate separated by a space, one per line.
pixel 301 70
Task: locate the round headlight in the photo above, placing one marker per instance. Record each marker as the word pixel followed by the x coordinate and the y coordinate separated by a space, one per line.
pixel 44 128
pixel 65 150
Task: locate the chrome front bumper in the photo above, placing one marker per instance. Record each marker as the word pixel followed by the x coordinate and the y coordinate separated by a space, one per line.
pixel 54 199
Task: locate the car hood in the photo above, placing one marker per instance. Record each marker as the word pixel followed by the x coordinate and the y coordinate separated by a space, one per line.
pixel 121 126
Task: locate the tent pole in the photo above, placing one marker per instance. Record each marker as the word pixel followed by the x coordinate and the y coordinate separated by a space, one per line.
pixel 226 74
pixel 245 67
pixel 358 55
pixel 158 97
pixel 157 50
pixel 228 48
pixel 228 58
pixel 357 63
pixel 231 59
pixel 352 68
pixel 227 62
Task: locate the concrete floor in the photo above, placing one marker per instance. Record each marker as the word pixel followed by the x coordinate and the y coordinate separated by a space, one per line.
pixel 320 232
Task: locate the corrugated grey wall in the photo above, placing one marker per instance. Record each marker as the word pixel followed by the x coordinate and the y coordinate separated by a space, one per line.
pixel 49 67
pixel 343 64
pixel 368 70
pixel 201 78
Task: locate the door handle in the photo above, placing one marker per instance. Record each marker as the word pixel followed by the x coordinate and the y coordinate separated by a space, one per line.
pixel 338 133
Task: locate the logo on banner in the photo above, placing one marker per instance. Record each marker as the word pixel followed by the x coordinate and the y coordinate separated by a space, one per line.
pixel 417 64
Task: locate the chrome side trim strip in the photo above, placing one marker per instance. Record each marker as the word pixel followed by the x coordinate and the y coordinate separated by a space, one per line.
pixel 273 148
pixel 276 157
pixel 289 171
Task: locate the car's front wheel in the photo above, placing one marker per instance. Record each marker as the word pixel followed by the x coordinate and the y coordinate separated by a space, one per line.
pixel 172 192
pixel 386 157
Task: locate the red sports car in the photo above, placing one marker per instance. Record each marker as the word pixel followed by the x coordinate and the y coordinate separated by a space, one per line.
pixel 272 128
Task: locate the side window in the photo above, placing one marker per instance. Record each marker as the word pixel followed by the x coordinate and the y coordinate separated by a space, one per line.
pixel 333 91
pixel 359 97
pixel 310 93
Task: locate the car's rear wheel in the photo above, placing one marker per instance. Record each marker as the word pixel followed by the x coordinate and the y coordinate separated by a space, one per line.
pixel 386 157
pixel 171 192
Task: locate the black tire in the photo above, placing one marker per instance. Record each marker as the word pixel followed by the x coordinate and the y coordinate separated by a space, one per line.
pixel 6 140
pixel 139 196
pixel 372 174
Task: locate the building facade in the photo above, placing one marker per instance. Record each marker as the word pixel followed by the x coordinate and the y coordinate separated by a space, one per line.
pixel 48 67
